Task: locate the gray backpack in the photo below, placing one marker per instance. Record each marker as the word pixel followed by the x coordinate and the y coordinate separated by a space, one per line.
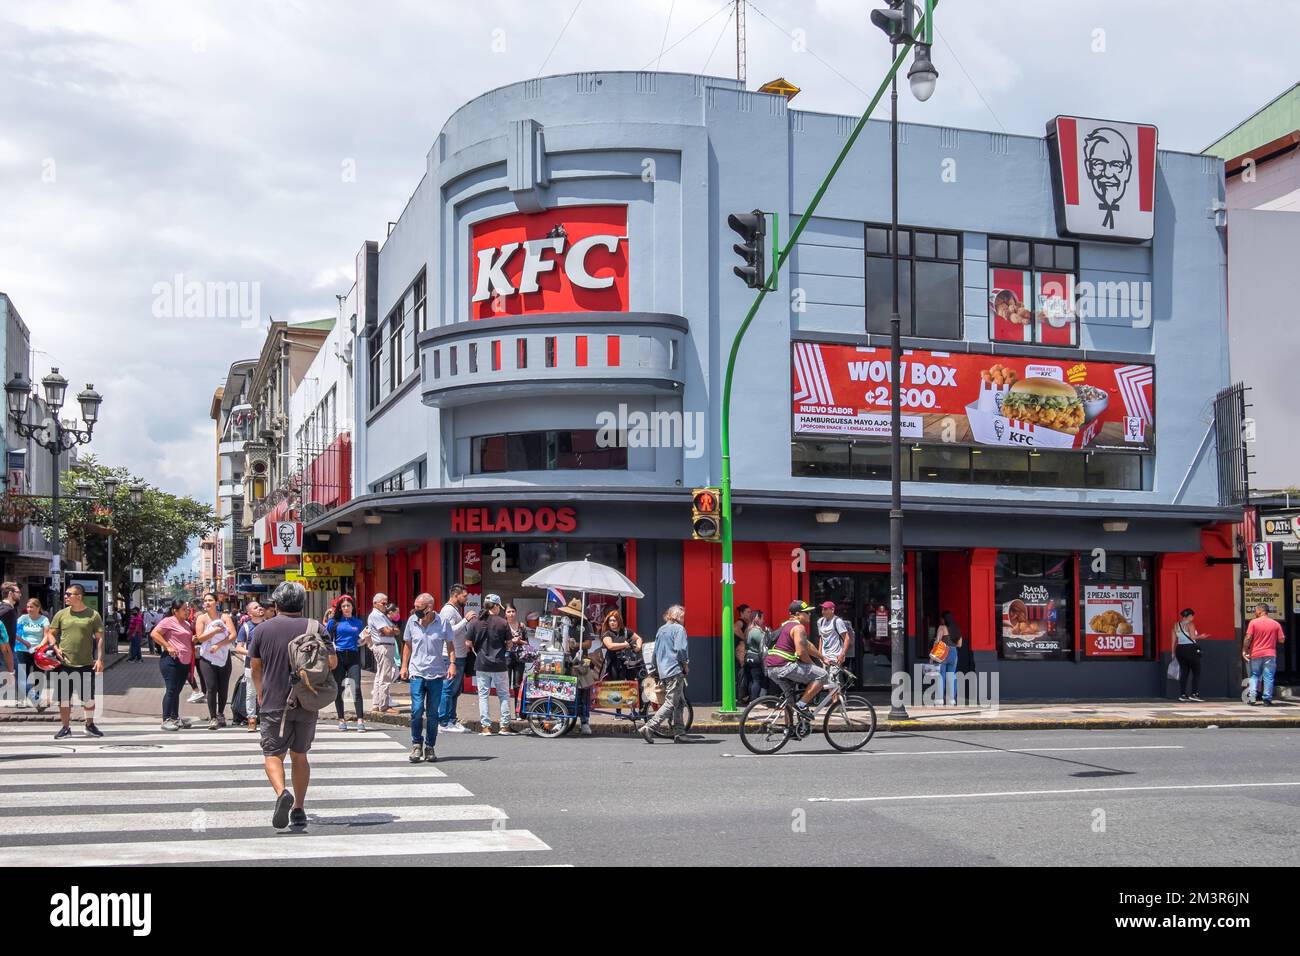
pixel 312 686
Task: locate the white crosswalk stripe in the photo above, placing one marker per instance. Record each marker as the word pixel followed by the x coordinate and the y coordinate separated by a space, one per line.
pixel 203 797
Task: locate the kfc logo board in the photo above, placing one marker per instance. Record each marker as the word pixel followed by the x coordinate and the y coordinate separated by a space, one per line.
pixel 572 259
pixel 1104 178
pixel 286 538
pixel 974 399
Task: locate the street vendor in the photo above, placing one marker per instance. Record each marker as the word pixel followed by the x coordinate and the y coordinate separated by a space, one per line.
pixel 622 647
pixel 588 661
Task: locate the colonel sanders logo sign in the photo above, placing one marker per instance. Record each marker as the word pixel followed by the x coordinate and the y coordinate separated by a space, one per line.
pixel 1103 174
pixel 286 538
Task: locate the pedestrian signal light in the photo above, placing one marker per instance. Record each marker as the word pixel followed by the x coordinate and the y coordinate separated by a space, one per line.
pixel 706 514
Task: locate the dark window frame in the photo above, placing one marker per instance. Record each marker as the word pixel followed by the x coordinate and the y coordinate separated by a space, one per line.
pixel 1034 269
pixel 419 312
pixel 552 439
pixel 907 253
pixel 375 360
pixel 396 325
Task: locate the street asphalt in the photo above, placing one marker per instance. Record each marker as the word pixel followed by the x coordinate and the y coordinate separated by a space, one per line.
pixel 1169 797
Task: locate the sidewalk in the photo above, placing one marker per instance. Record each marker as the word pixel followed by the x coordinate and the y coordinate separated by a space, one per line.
pixel 136 690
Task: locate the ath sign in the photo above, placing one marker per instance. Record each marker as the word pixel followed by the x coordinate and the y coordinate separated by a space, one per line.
pixel 573 259
pixel 1103 178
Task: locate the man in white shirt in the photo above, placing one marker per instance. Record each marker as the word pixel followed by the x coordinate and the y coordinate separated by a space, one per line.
pixel 833 633
pixel 383 636
pixel 453 614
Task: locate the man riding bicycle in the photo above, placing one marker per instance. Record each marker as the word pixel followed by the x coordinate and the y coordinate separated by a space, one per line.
pixel 794 659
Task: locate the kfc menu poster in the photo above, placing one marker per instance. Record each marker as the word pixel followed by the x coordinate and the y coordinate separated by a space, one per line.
pixel 974 398
pixel 1112 620
pixel 1033 625
pixel 1045 316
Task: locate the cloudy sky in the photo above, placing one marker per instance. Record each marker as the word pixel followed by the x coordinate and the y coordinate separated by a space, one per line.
pixel 216 141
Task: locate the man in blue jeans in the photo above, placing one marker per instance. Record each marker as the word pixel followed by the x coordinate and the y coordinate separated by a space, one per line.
pixel 453 614
pixel 1263 635
pixel 427 664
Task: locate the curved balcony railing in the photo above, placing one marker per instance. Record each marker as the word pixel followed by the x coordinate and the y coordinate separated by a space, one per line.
pixel 520 356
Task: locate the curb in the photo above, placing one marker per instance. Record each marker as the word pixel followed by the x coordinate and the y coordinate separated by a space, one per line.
pixel 624 728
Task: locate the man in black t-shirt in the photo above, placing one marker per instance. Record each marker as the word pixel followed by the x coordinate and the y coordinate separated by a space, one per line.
pixel 269 652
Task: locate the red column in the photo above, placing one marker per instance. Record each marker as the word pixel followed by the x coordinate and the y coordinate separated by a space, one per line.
pixel 629 618
pixel 983 605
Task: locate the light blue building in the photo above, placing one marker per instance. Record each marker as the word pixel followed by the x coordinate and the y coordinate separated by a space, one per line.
pixel 541 341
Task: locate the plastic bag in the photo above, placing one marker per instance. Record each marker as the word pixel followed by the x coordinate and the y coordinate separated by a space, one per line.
pixel 1174 670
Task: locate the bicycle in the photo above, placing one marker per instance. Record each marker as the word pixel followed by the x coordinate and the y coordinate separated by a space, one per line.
pixel 771 722
pixel 550 717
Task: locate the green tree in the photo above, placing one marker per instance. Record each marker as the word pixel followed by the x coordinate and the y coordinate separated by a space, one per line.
pixel 152 535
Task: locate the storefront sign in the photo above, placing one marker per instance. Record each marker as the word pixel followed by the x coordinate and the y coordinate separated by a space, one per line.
pixel 315 584
pixel 319 564
pixel 616 693
pixel 1103 178
pixel 558 686
pixel 1270 592
pixel 286 538
pixel 974 398
pixel 1032 626
pixel 1295 595
pixel 1260 560
pixel 573 259
pixel 1283 530
pixel 513 520
pixel 1113 616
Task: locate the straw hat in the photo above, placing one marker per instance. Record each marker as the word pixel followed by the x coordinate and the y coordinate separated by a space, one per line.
pixel 573 608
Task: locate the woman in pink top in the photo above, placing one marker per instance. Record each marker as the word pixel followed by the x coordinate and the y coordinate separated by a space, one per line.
pixel 174 636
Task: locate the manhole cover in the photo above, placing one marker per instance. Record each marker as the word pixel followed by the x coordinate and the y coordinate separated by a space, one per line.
pixel 132 748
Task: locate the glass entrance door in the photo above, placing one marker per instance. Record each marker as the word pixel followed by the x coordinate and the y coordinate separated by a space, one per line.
pixel 862 599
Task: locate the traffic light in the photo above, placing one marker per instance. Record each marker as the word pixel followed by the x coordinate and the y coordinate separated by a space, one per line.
pixel 706 514
pixel 752 228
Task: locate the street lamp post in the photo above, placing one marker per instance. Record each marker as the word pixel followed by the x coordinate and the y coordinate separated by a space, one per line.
pixel 899 24
pixel 54 435
pixel 922 78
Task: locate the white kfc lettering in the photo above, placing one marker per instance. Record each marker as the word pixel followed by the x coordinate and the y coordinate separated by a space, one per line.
pixel 491 272
pixel 534 264
pixel 575 263
pixel 492 279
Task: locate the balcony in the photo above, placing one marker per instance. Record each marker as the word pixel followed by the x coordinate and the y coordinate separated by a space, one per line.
pixel 624 353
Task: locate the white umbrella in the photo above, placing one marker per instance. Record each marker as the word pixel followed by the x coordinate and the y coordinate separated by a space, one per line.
pixel 584 576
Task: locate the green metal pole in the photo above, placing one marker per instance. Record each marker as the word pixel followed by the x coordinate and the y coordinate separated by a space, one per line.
pixel 728 575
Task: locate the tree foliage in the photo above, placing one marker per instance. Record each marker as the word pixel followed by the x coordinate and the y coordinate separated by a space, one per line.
pixel 152 535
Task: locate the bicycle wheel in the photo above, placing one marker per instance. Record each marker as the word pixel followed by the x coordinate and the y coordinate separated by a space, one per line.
pixel 548 717
pixel 850 723
pixel 765 726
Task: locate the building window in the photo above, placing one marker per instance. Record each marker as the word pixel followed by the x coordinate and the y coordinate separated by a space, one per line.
pixel 612 351
pixel 577 450
pixel 869 461
pixel 496 355
pixel 580 350
pixel 452 363
pixel 1116 616
pixel 1034 612
pixel 420 294
pixel 929 282
pixel 396 329
pixel 473 358
pixel 521 353
pixel 1032 291
pixel 410 477
pixel 550 351
pixel 437 363
pixel 375 343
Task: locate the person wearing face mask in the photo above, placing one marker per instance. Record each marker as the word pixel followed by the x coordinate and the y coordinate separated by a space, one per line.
pixel 428 659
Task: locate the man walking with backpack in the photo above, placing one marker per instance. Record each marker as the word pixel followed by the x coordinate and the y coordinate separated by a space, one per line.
pixel 293 664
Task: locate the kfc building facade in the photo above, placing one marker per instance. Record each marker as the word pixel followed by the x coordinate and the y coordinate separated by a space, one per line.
pixel 541 340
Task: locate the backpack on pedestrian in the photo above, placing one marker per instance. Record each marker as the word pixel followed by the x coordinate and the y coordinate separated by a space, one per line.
pixel 312 686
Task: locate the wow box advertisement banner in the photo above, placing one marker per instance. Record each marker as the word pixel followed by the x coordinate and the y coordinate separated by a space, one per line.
pixel 974 398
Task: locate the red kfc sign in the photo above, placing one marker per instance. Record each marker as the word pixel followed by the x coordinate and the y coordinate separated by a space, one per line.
pixel 1104 178
pixel 573 259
